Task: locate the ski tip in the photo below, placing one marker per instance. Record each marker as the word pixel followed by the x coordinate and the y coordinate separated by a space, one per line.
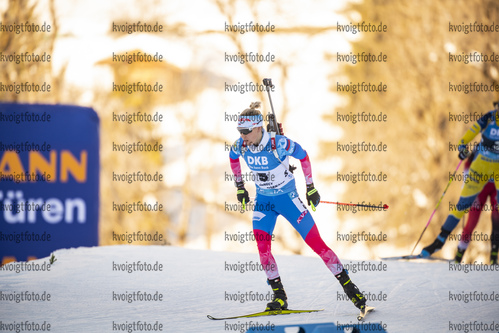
pixel 406 257
pixel 264 313
pixel 211 317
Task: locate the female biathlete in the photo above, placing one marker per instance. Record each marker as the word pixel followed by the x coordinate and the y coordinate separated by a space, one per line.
pixel 484 167
pixel 474 216
pixel 276 194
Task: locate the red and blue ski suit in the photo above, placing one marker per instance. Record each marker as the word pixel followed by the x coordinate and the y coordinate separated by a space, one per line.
pixel 277 195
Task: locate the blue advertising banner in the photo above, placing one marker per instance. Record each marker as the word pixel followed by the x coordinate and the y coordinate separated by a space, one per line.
pixel 49 179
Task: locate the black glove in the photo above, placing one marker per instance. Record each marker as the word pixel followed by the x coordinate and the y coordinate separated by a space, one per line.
pixel 242 194
pixel 280 128
pixel 463 152
pixel 313 197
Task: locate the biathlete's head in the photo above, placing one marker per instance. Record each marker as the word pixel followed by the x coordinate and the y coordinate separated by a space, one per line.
pixel 250 124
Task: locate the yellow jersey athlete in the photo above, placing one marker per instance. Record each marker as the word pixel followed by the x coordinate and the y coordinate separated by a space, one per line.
pixel 485 166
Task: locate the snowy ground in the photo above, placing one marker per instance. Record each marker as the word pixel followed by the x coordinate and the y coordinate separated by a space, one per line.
pixel 415 296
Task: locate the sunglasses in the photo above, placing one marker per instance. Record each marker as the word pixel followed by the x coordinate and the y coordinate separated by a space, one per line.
pixel 245 131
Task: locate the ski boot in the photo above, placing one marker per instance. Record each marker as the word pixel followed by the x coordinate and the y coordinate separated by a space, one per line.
pixel 279 299
pixel 351 290
pixel 459 255
pixel 432 248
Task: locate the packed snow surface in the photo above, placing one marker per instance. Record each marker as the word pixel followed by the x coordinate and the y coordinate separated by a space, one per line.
pixel 91 290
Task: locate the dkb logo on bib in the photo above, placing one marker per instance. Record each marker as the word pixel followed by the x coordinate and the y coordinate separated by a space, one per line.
pixel 258 160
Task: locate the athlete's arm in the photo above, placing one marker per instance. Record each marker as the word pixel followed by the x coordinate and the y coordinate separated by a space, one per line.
pixel 476 128
pixel 306 166
pixel 470 134
pixel 242 193
pixel 295 150
pixel 234 164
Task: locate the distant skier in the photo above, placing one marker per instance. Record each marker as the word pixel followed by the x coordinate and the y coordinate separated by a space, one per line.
pixel 275 188
pixel 474 216
pixel 484 167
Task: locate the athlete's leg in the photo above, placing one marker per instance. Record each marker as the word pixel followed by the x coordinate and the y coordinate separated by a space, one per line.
pixel 264 219
pixel 263 225
pixel 494 237
pixel 474 216
pixel 479 173
pixel 293 209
